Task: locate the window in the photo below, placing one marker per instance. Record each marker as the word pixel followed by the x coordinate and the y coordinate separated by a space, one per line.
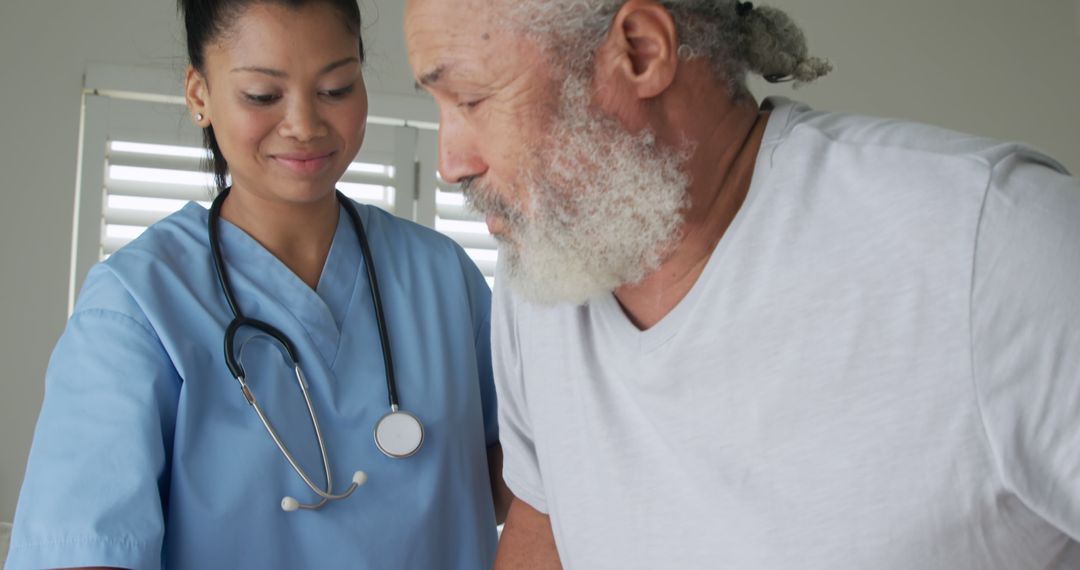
pixel 141 159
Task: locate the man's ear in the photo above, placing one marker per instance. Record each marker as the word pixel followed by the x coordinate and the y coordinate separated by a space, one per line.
pixel 640 53
pixel 197 96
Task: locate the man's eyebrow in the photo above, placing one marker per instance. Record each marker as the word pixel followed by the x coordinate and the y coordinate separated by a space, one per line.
pixel 280 73
pixel 430 78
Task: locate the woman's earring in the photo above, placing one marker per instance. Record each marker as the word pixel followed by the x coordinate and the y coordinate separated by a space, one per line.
pixel 198 117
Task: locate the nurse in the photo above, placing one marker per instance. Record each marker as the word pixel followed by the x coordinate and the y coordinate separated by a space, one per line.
pixel 147 454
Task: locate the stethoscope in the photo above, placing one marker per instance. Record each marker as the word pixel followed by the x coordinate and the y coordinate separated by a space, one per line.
pixel 398 433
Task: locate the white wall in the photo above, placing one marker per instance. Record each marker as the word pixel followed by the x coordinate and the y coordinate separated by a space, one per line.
pixel 44 45
pixel 1001 68
pixel 998 68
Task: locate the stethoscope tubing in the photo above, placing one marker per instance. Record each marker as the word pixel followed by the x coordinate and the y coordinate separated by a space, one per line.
pixel 376 299
pixel 237 370
pixel 239 320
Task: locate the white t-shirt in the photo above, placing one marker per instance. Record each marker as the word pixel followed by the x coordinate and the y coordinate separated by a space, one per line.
pixel 878 368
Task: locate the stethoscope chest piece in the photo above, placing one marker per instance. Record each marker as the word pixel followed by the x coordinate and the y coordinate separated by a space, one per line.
pixel 399 434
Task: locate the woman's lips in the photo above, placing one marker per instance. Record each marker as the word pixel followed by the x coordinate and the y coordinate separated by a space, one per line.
pixel 304 164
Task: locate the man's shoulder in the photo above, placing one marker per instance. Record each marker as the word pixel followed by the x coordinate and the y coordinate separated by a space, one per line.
pixel 876 138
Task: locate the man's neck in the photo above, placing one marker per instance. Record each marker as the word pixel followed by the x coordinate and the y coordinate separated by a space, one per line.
pixel 721 169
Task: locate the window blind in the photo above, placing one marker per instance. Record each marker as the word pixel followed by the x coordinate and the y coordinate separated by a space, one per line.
pixel 454 218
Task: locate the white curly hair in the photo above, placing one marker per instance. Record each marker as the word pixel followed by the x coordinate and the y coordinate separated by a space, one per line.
pixel 737 38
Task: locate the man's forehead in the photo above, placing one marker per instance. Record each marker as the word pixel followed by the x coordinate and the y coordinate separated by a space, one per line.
pixel 449 14
pixel 439 24
pixel 446 42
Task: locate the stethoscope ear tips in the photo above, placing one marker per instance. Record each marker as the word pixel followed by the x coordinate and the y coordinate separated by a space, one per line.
pixel 290 504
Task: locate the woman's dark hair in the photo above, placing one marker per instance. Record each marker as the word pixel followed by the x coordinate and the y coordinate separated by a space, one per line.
pixel 205 21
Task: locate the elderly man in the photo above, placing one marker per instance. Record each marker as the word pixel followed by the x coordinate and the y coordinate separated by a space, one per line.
pixel 732 335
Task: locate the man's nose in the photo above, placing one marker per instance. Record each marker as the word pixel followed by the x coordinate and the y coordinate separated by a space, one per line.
pixel 459 157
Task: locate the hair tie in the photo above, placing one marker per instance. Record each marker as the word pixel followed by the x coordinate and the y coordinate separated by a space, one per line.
pixel 744 8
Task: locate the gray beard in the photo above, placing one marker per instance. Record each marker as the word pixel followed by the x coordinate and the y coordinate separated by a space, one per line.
pixel 605 207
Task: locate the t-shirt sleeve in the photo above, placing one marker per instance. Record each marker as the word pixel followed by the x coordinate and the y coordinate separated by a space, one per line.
pixel 521 467
pixel 1026 334
pixel 92 495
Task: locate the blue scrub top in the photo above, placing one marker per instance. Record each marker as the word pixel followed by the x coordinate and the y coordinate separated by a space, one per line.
pixel 146 453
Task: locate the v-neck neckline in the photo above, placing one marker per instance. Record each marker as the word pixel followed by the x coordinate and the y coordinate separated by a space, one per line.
pixel 320 311
pixel 651 339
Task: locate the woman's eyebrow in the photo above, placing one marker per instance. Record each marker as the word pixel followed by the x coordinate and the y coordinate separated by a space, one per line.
pixel 279 73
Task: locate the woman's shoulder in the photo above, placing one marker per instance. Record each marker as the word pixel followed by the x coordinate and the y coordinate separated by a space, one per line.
pixel 380 222
pixel 172 239
pixel 157 259
pixel 405 237
pixel 412 248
